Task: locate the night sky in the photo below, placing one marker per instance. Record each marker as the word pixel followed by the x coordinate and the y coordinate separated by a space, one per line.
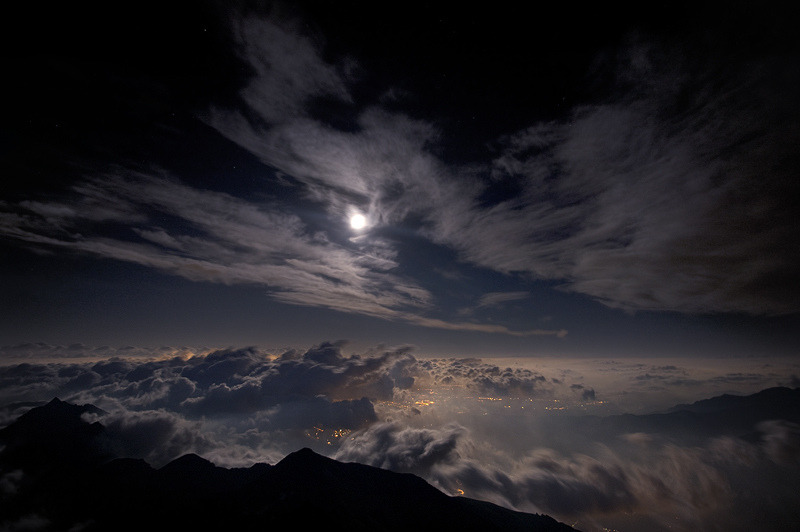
pixel 538 183
pixel 582 188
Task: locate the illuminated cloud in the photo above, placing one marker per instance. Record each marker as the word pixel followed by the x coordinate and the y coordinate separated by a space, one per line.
pixel 488 379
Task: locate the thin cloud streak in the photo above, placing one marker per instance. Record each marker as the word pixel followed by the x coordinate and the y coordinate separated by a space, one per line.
pixel 498 298
pixel 484 327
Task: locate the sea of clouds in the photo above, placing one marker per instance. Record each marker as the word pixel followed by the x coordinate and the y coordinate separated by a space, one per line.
pixel 525 434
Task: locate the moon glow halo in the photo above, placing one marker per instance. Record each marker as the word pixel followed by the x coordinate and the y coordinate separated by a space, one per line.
pixel 358 221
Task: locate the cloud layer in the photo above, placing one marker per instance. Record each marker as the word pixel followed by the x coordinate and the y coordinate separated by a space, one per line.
pixel 517 435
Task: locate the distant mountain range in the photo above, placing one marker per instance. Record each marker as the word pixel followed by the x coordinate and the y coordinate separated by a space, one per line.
pixel 61 473
pixel 780 401
pixel 724 415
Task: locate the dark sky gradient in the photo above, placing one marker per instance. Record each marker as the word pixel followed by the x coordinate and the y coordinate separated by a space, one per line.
pixel 604 181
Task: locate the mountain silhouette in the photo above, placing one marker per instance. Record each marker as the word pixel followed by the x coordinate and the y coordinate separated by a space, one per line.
pixel 54 435
pixel 68 479
pixel 689 424
pixel 730 415
pixel 773 402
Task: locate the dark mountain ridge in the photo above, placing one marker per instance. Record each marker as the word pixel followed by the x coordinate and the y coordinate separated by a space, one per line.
pixel 736 416
pixel 71 479
pixel 729 415
pixel 778 401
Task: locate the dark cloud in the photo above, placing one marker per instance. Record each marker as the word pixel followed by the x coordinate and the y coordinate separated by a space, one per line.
pixel 31 522
pixel 284 56
pixel 326 353
pixel 10 482
pixel 587 394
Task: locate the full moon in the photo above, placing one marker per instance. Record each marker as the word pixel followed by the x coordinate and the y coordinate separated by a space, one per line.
pixel 357 221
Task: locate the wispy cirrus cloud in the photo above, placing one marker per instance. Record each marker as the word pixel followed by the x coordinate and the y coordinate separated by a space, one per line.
pixel 216 237
pixel 675 194
pixel 287 66
pixel 498 298
pixel 671 195
pixel 154 220
pixel 484 327
pixel 382 168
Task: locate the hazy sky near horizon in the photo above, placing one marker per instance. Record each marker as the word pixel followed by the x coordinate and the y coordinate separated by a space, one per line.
pixel 529 185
